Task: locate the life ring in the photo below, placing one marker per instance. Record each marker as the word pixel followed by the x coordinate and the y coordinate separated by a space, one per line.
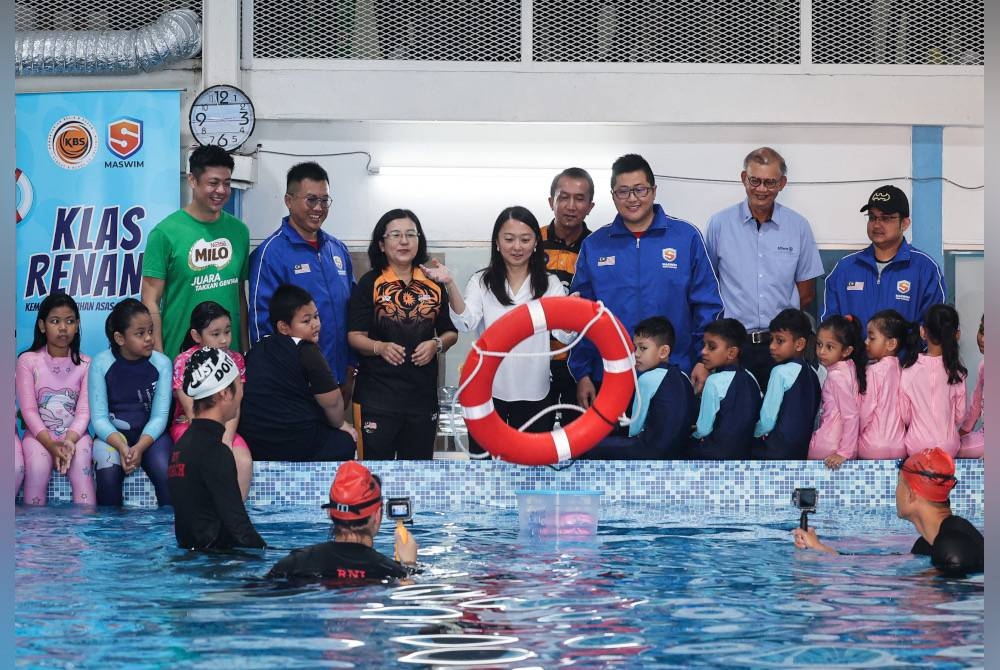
pixel 566 313
pixel 25 195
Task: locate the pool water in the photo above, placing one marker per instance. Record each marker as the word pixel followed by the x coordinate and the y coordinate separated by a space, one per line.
pixel 686 589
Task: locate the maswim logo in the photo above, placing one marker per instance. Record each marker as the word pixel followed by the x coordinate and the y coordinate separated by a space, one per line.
pixel 72 142
pixel 124 140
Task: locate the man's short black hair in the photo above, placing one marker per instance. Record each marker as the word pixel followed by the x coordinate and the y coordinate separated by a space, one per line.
pixel 309 170
pixel 794 321
pixel 631 163
pixel 287 299
pixel 731 331
pixel 573 173
pixel 200 405
pixel 657 328
pixel 209 155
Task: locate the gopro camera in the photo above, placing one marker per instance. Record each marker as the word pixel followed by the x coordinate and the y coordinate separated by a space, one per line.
pixel 399 509
pixel 805 500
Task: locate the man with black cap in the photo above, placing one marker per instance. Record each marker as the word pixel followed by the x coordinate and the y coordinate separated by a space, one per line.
pixel 208 505
pixel 889 273
pixel 355 508
pixel 922 488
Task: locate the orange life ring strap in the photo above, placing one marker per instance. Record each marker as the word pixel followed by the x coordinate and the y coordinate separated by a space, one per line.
pixel 565 313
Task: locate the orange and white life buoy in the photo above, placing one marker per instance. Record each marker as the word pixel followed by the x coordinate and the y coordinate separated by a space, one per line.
pixel 564 313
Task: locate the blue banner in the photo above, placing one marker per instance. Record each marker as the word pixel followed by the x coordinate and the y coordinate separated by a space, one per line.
pixel 95 172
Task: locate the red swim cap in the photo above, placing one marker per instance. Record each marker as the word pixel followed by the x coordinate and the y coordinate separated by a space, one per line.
pixel 930 474
pixel 355 493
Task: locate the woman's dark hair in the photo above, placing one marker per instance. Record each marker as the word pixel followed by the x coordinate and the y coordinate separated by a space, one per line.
pixel 941 329
pixel 894 326
pixel 377 257
pixel 495 274
pixel 847 330
pixel 50 302
pixel 119 319
pixel 203 314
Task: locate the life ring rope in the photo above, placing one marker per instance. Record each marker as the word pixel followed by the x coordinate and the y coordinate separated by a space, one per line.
pixel 539 323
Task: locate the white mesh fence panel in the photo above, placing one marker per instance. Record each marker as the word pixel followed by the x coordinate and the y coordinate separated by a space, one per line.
pixel 666 31
pixel 442 30
pixel 898 32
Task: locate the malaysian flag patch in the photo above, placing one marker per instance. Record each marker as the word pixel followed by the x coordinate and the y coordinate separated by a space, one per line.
pixel 605 260
pixel 855 286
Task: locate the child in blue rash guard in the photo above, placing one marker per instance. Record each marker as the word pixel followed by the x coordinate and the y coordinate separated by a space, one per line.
pixel 730 401
pixel 129 388
pixel 788 413
pixel 664 409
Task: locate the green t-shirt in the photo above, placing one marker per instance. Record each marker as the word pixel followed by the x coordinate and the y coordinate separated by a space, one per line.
pixel 198 261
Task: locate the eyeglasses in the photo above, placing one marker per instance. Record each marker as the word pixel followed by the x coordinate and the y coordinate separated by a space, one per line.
pixel 314 201
pixel 624 192
pixel 885 218
pixel 924 473
pixel 397 235
pixel 769 184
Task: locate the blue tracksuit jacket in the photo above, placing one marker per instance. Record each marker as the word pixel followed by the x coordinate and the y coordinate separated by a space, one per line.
pixel 666 273
pixel 910 284
pixel 285 258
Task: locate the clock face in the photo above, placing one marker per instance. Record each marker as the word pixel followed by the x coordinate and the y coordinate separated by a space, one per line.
pixel 222 115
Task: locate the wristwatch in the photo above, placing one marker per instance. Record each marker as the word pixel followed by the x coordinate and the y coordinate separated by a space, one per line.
pixel 440 344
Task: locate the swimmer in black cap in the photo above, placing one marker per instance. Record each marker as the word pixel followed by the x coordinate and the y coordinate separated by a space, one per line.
pixel 208 505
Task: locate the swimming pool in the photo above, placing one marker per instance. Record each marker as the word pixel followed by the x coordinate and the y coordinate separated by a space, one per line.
pixel 683 587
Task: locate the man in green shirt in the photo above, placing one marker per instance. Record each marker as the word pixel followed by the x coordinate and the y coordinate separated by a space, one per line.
pixel 198 253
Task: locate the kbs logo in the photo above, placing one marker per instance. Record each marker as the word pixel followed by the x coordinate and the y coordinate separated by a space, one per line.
pixel 25 194
pixel 207 254
pixel 903 286
pixel 124 137
pixel 72 142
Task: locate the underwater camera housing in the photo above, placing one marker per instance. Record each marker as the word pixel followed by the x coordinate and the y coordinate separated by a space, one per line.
pixel 399 509
pixel 805 500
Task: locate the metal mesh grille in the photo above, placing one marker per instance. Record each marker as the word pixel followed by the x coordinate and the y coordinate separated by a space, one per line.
pixel 898 32
pixel 443 30
pixel 667 31
pixel 93 14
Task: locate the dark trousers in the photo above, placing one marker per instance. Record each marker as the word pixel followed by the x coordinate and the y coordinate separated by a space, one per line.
pixel 515 413
pixel 109 480
pixel 385 436
pixel 756 358
pixel 562 390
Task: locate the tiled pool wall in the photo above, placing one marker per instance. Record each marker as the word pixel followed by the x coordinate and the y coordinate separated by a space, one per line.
pixel 450 485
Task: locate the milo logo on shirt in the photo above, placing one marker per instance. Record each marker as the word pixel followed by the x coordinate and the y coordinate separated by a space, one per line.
pixel 216 253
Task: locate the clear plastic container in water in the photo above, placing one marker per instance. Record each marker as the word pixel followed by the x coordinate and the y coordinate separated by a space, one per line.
pixel 558 514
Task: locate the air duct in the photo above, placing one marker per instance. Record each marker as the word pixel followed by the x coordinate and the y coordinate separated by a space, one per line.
pixel 173 37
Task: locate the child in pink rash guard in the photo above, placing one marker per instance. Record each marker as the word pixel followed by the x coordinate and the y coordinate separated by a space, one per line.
pixel 932 385
pixel 51 386
pixel 882 428
pixel 973 442
pixel 840 348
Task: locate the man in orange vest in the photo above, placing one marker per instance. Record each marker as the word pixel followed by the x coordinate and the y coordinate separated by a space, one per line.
pixel 571 198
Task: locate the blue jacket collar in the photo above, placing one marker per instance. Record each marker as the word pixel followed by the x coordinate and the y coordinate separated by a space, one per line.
pixel 659 223
pixel 293 235
pixel 868 254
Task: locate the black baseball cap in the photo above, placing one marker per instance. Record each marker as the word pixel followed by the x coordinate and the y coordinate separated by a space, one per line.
pixel 888 199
